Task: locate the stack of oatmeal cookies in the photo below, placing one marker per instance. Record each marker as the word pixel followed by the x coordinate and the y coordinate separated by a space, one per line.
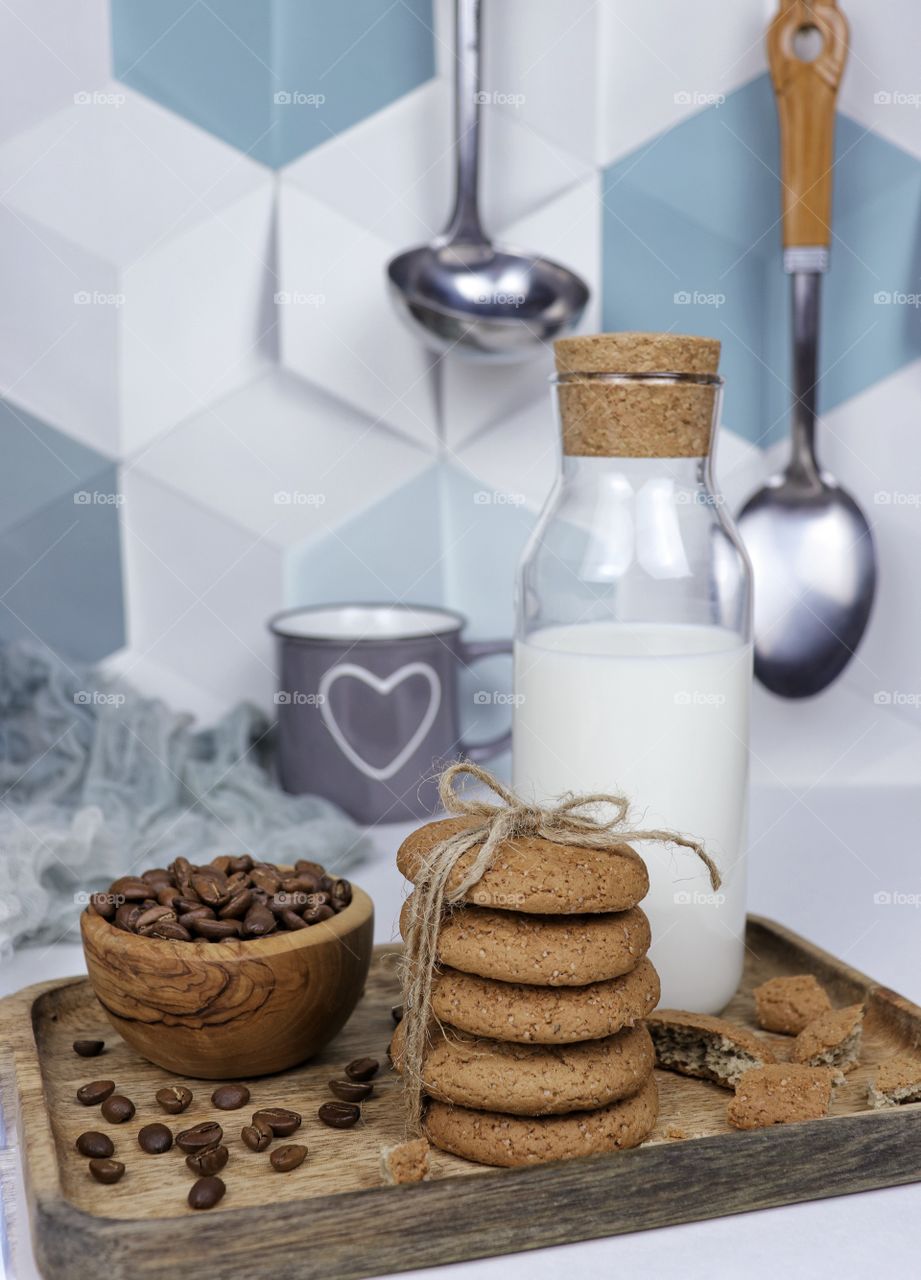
pixel 537 1049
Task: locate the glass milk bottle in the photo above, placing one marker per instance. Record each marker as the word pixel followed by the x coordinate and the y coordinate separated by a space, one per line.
pixel 633 658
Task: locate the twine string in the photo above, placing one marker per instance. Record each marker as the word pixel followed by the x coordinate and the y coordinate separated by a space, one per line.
pixel 569 821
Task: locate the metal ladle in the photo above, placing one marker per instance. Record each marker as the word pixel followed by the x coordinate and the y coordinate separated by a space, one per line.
pixel 810 544
pixel 462 292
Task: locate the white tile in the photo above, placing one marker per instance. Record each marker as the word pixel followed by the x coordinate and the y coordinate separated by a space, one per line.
pixel 337 325
pixel 519 456
pixel 199 592
pixel 156 681
pixel 568 229
pixel 881 86
pixel 282 460
pixel 48 53
pixel 135 252
pixel 659 65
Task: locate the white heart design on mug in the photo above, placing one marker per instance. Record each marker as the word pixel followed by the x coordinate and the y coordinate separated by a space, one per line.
pixel 383 687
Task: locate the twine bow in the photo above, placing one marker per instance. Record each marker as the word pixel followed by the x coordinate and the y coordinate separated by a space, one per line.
pixel 565 822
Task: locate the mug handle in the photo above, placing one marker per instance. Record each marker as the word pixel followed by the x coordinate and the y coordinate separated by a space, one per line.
pixel 471 651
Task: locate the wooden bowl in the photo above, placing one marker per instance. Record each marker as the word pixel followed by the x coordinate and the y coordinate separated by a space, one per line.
pixel 224 1010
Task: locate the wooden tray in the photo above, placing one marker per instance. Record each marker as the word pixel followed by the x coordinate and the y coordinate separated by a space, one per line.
pixel 332 1217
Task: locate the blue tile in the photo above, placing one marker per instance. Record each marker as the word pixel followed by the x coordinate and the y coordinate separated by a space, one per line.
pixel 61 576
pixel 695 213
pixel 274 77
pixel 40 464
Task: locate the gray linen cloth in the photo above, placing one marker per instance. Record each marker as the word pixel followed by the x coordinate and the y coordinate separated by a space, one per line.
pixel 97 780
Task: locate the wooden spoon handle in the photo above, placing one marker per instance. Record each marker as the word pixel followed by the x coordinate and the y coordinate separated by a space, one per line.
pixel 806 93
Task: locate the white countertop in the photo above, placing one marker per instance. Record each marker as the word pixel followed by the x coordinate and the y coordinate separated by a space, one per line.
pixel 820 856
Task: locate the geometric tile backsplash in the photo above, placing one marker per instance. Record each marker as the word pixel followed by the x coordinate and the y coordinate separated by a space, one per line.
pixel 209 410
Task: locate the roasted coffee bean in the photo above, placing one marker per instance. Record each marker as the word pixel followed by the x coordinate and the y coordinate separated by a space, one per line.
pixel 316 915
pixel 221 863
pixel 168 895
pixel 229 1097
pixel 174 1098
pixel 341 892
pixel 280 1120
pixel 97 1146
pixel 89 1048
pixel 205 1193
pixel 155 1139
pixel 263 878
pixel 181 869
pixel 311 868
pixel 201 1137
pixel 238 905
pixel 131 888
pixel 153 915
pixel 183 904
pixel 351 1090
pixel 204 1164
pixel 289 1157
pixel 210 887
pixel 107 1171
pixel 117 1109
pixel 243 864
pixel 95 1092
pixel 396 1013
pixel 216 930
pixel 339 1115
pixel 258 1135
pixel 168 931
pixel 259 921
pixel 157 877
pixel 291 920
pixel 126 917
pixel 362 1068
pixel 318 899
pixel 104 905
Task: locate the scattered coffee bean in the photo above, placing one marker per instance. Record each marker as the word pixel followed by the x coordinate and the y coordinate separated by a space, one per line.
pixel 201 1137
pixel 339 1115
pixel 89 1048
pixel 258 1135
pixel 107 1171
pixel 289 1157
pixel 351 1090
pixel 280 1120
pixel 230 1097
pixel 98 1146
pixel 204 1164
pixel 174 1098
pixel 117 1109
pixel 397 1013
pixel 155 1139
pixel 224 899
pixel 362 1068
pixel 95 1092
pixel 206 1192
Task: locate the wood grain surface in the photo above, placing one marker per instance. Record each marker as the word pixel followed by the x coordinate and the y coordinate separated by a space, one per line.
pixel 332 1216
pixel 806 93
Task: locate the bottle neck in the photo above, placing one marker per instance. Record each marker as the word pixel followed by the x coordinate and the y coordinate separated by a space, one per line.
pixel 630 475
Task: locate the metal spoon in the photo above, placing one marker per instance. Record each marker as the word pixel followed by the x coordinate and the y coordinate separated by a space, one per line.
pixel 462 292
pixel 809 542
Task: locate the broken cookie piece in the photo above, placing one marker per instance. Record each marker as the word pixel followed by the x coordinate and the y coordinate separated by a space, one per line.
pixel 406 1162
pixel 831 1040
pixel 781 1094
pixel 897 1081
pixel 708 1048
pixel 789 1004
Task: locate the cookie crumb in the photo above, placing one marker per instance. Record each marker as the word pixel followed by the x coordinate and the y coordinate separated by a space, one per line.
pixel 406 1162
pixel 897 1081
pixel 695 1044
pixel 831 1040
pixel 781 1094
pixel 789 1004
pixel 676 1134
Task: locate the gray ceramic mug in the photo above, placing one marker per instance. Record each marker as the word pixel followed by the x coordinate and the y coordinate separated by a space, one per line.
pixel 368 704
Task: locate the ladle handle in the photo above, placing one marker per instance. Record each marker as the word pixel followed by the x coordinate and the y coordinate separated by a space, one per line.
pixel 806 93
pixel 464 222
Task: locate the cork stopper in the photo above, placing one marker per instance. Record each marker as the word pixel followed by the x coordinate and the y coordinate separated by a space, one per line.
pixel 662 417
